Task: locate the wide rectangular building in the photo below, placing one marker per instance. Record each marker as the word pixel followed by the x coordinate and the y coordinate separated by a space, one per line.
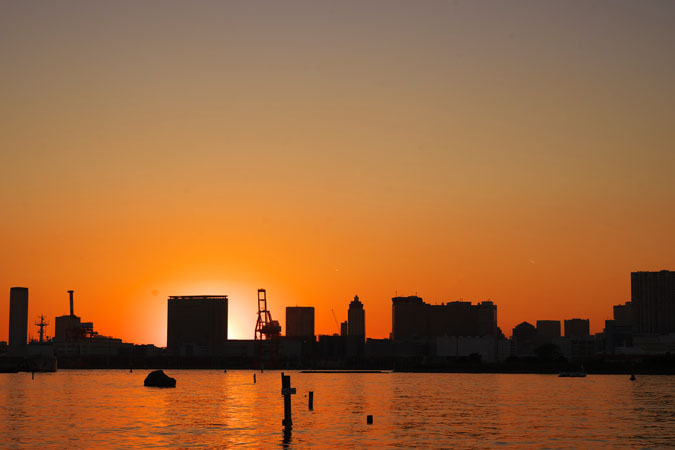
pixel 412 318
pixel 300 322
pixel 653 302
pixel 196 325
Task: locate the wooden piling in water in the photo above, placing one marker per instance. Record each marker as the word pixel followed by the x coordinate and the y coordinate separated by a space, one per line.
pixel 253 378
pixel 287 391
pixel 369 420
pixel 311 401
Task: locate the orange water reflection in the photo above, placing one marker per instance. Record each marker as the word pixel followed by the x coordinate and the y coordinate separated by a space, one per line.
pixel 212 409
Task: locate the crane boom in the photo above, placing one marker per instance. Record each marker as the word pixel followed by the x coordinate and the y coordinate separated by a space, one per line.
pixel 335 319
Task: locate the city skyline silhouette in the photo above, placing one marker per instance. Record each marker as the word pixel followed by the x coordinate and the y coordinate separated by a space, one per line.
pixel 472 151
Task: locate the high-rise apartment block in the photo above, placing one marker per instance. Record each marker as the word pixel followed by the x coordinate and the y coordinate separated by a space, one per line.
pixel 653 302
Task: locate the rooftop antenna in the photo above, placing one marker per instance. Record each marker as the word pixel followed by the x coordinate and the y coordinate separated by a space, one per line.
pixel 42 324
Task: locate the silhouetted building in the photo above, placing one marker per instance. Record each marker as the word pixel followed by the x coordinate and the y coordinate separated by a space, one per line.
pixel 356 318
pixel 524 339
pixel 70 327
pixel 619 331
pixel 74 338
pixel 412 318
pixel 18 319
pixel 332 348
pixel 547 331
pixel 623 314
pixel 196 325
pixel 577 328
pixel 300 322
pixel 344 328
pixel 356 324
pixel 653 302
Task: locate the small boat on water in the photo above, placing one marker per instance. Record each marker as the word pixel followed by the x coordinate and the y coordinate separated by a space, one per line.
pixel 573 374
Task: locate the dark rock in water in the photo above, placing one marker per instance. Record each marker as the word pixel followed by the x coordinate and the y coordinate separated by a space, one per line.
pixel 159 379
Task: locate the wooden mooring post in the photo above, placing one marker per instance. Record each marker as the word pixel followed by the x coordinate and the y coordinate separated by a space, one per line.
pixel 287 391
pixel 311 401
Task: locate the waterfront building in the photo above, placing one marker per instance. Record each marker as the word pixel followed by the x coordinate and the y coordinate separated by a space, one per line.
pixel 300 322
pixel 524 337
pixel 196 325
pixel 623 314
pixel 412 318
pixel 577 328
pixel 18 319
pixel 356 319
pixel 653 302
pixel 74 338
pixel 547 331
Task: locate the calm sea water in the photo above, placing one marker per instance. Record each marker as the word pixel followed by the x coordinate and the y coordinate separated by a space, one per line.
pixel 212 409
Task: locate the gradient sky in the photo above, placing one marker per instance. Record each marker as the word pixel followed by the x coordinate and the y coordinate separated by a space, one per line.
pixel 516 151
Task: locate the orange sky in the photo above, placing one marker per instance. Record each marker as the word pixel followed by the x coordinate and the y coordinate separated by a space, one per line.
pixel 468 150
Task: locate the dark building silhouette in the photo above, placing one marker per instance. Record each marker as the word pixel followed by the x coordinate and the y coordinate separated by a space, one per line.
pixel 197 325
pixel 524 337
pixel 356 319
pixel 547 331
pixel 74 338
pixel 577 328
pixel 623 314
pixel 344 328
pixel 653 302
pixel 300 322
pixel 70 327
pixel 356 329
pixel 618 332
pixel 412 318
pixel 18 319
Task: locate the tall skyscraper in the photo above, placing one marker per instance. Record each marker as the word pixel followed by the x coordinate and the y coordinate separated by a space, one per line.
pixel 18 319
pixel 653 302
pixel 197 325
pixel 300 322
pixel 356 318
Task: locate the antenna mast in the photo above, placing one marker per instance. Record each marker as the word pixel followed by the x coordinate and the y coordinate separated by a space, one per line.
pixel 42 324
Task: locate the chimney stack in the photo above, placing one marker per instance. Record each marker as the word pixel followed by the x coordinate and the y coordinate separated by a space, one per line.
pixel 71 302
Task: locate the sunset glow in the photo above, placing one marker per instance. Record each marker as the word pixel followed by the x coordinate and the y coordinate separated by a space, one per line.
pixel 322 150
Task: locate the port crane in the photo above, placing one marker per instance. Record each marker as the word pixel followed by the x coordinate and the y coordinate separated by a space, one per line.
pixel 265 327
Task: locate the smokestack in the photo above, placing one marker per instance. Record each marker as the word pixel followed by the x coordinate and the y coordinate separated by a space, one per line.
pixel 71 302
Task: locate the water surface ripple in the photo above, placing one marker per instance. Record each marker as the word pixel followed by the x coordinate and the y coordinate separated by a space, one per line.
pixel 211 409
